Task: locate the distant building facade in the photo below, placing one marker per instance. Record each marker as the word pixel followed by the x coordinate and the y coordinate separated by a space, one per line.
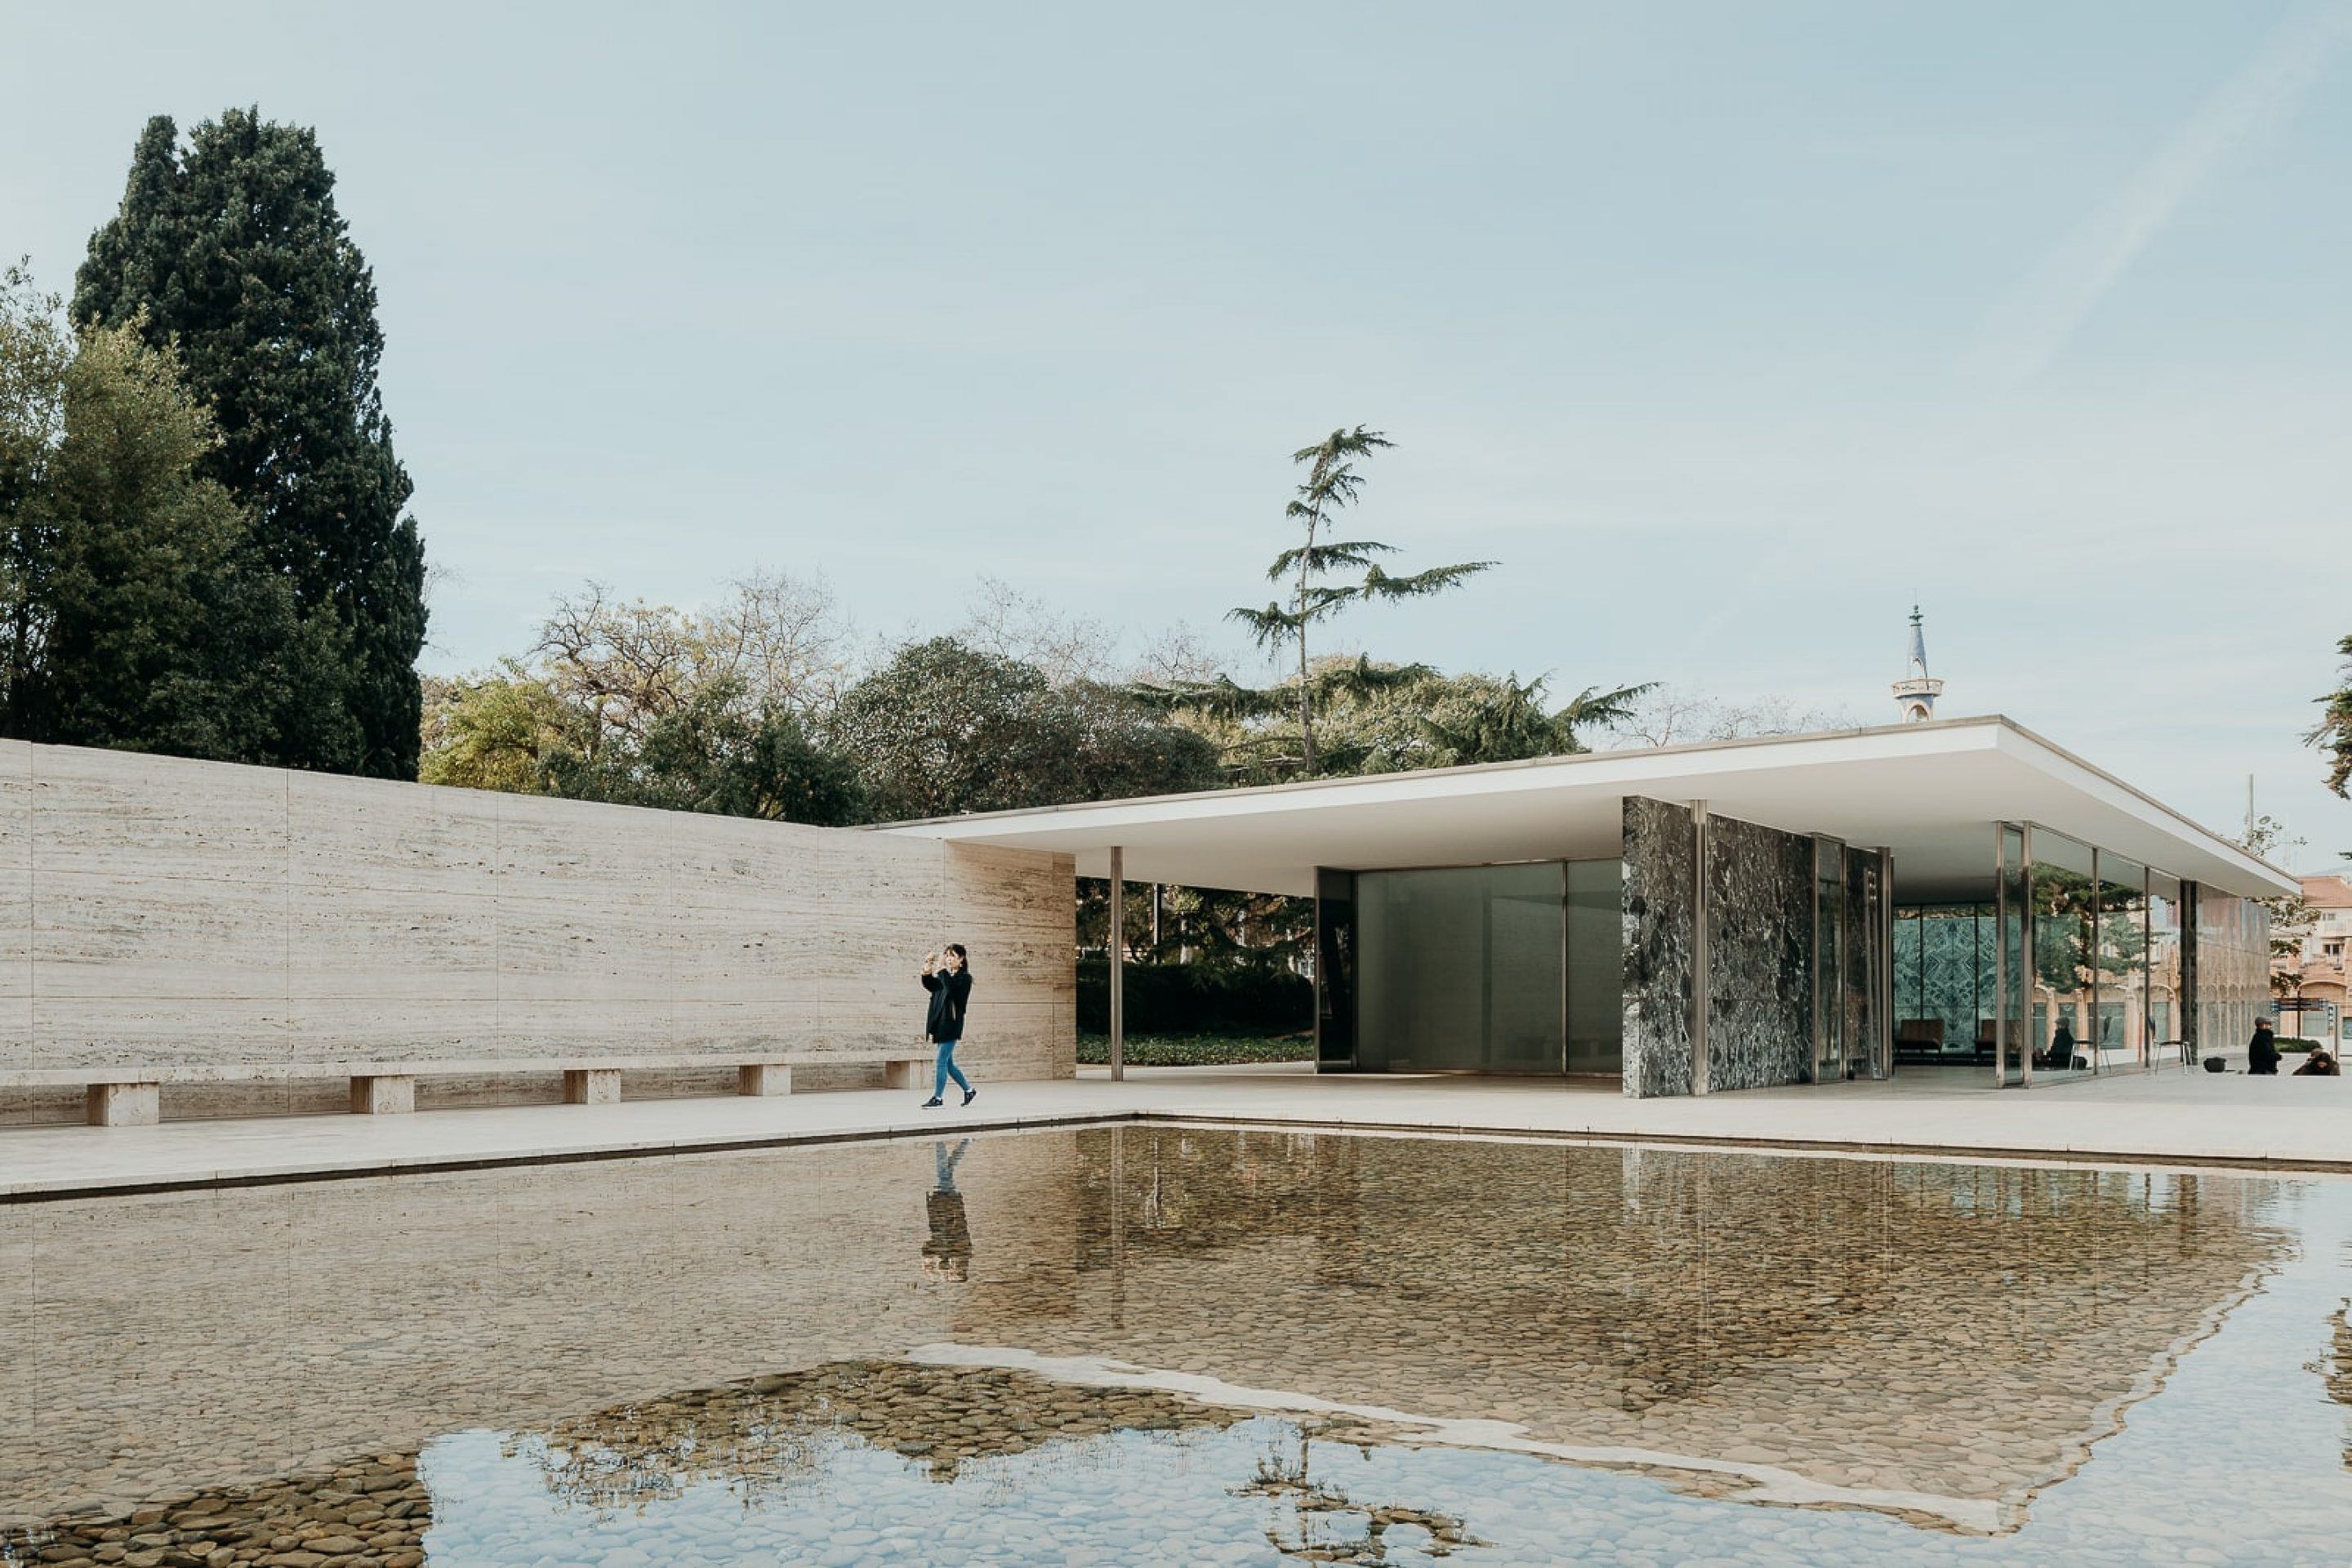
pixel 2310 982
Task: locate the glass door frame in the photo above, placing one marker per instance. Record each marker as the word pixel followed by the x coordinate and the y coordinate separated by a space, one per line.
pixel 1828 1061
pixel 2013 993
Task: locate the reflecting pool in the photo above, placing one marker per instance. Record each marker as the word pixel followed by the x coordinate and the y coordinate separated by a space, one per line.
pixel 1188 1345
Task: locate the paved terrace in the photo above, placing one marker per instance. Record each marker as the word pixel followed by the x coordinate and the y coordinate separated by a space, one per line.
pixel 2170 1118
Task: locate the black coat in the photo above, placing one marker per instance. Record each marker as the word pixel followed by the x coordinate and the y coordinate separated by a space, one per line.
pixel 948 994
pixel 2263 1053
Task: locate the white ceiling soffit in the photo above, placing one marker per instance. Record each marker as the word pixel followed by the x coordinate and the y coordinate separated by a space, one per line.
pixel 1930 793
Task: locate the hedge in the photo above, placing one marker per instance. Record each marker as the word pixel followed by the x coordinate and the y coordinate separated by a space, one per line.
pixel 1198 1050
pixel 1198 999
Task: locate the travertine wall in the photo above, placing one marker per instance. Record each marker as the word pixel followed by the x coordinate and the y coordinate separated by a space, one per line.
pixel 158 909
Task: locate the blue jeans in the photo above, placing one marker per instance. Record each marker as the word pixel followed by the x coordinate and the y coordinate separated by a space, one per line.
pixel 948 1069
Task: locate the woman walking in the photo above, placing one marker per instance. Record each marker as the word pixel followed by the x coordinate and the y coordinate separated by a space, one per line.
pixel 950 982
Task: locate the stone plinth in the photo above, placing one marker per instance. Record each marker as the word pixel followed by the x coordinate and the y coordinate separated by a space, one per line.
pixel 763 1078
pixel 123 1104
pixel 592 1086
pixel 387 1095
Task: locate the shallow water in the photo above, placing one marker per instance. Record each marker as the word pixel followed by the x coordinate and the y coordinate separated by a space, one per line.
pixel 1194 1345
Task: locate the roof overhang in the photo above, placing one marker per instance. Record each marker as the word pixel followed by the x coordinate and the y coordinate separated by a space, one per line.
pixel 1929 793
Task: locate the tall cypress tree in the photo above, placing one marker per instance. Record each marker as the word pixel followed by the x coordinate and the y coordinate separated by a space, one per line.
pixel 233 252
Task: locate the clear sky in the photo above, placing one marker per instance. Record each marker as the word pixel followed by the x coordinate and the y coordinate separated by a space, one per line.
pixel 1729 329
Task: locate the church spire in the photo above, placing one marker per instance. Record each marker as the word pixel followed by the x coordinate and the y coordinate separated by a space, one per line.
pixel 1917 692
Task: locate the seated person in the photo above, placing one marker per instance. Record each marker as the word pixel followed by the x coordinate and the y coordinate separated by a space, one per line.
pixel 2319 1064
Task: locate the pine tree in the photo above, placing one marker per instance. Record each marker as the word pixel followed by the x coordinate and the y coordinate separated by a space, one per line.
pixel 1331 486
pixel 234 255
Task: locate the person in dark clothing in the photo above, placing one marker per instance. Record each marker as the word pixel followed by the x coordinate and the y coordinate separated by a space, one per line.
pixel 2319 1064
pixel 947 1254
pixel 949 980
pixel 2262 1051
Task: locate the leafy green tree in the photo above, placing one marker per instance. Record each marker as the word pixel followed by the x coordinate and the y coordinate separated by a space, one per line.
pixel 709 756
pixel 1332 485
pixel 502 730
pixel 644 705
pixel 943 727
pixel 2334 733
pixel 234 255
pixel 137 614
pixel 1482 719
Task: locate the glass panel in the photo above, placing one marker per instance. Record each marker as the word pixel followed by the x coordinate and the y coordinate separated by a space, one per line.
pixel 2014 1053
pixel 1910 985
pixel 1335 968
pixel 1946 983
pixel 2165 1024
pixel 2119 1014
pixel 2232 972
pixel 2065 904
pixel 1596 966
pixel 1461 968
pixel 1525 954
pixel 1829 970
pixel 1865 941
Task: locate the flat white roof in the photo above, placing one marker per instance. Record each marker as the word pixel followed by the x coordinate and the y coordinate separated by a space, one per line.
pixel 1930 793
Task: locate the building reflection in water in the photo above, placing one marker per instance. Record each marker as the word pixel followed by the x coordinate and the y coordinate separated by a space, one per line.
pixel 1940 1343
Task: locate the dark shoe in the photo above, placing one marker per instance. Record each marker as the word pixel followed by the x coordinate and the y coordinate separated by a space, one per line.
pixel 970 1095
pixel 932 1103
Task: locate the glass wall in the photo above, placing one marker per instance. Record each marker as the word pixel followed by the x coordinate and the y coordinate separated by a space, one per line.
pixel 1596 966
pixel 2233 962
pixel 1866 980
pixel 1335 969
pixel 2013 983
pixel 2064 902
pixel 2164 1024
pixel 1829 969
pixel 1945 982
pixel 2119 970
pixel 1483 968
pixel 1461 968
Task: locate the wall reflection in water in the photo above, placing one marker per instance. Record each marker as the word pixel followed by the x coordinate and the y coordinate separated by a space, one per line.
pixel 1167 1322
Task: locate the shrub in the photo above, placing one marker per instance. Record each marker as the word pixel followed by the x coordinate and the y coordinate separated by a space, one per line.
pixel 1198 1050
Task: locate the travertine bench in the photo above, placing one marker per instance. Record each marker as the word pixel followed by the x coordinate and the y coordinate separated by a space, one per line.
pixel 132 1096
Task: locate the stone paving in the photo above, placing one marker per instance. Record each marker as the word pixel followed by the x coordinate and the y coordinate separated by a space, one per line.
pixel 2230 1119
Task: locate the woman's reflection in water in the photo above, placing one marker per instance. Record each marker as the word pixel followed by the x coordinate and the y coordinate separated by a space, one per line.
pixel 947 1254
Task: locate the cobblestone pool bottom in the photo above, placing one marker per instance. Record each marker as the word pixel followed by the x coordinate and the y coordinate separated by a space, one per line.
pixel 1186 1346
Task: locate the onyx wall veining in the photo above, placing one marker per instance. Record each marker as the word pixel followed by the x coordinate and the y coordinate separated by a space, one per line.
pixel 1759 915
pixel 1660 847
pixel 1761 950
